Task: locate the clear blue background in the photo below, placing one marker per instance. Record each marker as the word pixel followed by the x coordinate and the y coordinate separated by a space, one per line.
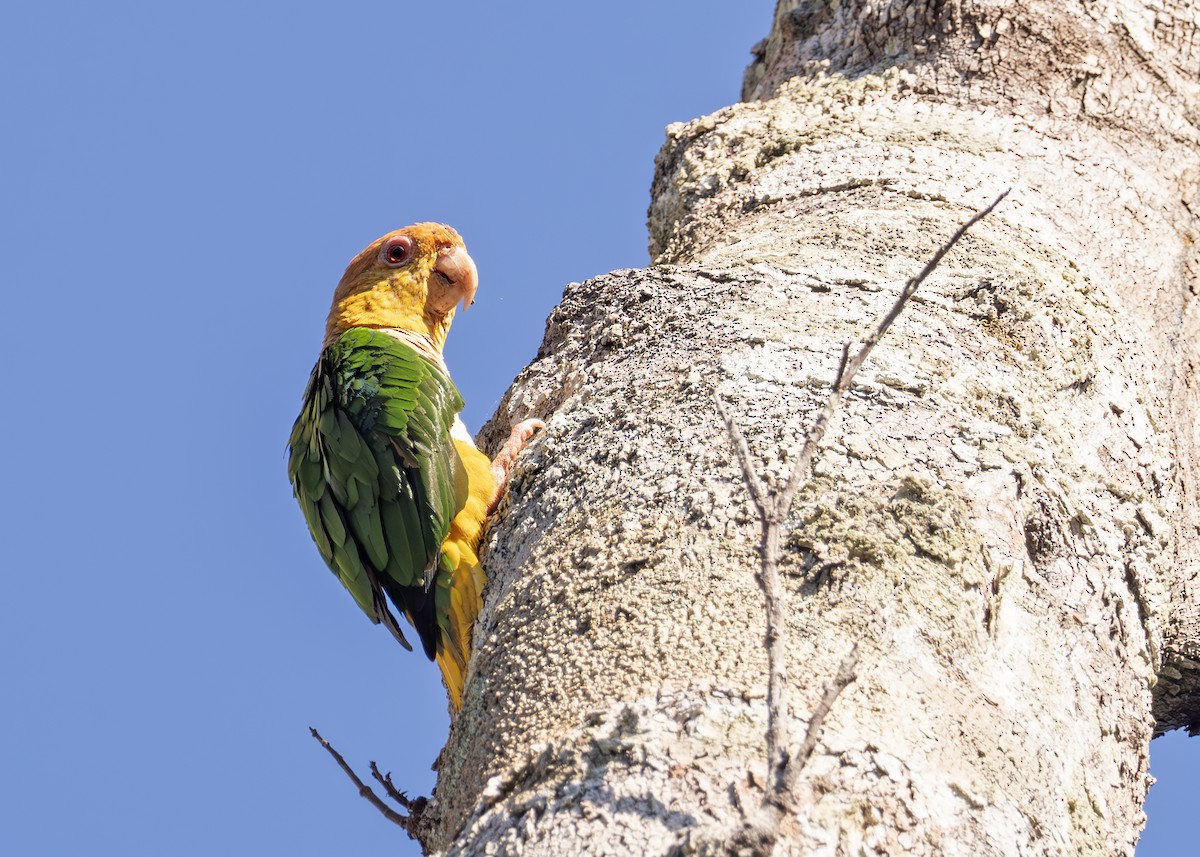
pixel 182 185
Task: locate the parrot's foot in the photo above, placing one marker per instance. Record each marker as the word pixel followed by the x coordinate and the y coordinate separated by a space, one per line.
pixel 503 462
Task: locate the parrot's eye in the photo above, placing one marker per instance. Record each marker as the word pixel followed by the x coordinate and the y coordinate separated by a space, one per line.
pixel 398 250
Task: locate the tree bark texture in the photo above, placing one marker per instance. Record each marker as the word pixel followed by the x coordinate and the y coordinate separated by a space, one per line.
pixel 1004 516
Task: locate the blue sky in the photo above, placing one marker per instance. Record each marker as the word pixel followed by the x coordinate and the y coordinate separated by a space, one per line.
pixel 183 185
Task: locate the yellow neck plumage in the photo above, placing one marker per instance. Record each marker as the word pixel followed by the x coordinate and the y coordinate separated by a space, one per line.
pixel 390 304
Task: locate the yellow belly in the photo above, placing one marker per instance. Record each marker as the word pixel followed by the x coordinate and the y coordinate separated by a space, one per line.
pixel 461 548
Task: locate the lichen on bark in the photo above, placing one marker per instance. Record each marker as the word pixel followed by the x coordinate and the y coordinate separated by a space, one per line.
pixel 1003 518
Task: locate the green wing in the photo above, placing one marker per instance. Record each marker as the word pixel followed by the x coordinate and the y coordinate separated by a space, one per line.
pixel 377 475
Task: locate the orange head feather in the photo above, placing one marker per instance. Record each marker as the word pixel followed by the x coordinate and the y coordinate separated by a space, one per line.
pixel 410 279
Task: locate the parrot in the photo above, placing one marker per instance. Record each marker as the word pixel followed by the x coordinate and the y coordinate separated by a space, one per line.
pixel 393 489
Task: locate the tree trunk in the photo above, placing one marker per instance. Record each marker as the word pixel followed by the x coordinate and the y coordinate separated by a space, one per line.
pixel 1004 517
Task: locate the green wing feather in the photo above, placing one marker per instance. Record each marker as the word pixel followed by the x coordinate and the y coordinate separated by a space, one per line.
pixel 377 476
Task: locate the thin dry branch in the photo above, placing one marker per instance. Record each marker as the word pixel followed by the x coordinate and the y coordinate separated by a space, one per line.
pixel 413 824
pixel 800 758
pixel 848 367
pixel 413 805
pixel 784 768
pixel 759 830
pixel 758 489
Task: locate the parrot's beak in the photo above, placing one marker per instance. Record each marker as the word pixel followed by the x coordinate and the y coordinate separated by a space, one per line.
pixel 458 269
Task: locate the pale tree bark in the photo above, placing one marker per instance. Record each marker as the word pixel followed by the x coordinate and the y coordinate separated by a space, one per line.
pixel 1003 517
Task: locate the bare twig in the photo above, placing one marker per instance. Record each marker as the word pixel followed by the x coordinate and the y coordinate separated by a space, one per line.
pixel 759 830
pixel 413 805
pixel 848 368
pixel 413 823
pixel 767 502
pixel 783 768
pixel 758 490
pixel 817 721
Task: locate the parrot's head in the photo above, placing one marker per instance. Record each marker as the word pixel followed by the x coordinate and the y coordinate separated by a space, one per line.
pixel 410 279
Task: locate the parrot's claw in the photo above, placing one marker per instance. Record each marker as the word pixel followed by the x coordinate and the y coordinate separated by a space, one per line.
pixel 503 462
